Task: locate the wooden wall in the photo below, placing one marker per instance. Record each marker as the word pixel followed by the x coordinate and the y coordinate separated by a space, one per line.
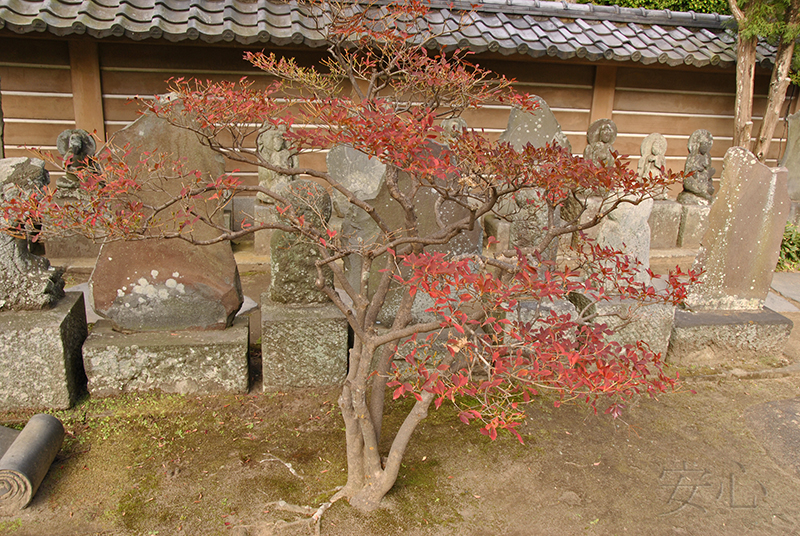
pixel 49 85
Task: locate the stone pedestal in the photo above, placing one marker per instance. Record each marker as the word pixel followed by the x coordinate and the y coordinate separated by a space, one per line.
pixel 728 338
pixel 665 222
pixel 40 355
pixel 210 361
pixel 302 345
pixel 694 222
pixel 632 322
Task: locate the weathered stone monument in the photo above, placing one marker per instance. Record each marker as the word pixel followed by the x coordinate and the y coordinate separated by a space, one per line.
pixel 726 318
pixel 665 217
pixel 41 328
pixel 303 334
pixel 529 217
pixel 698 190
pixel 77 147
pixel 791 161
pixel 184 297
pixel 274 149
pixel 366 177
pixel 538 127
pixel 600 137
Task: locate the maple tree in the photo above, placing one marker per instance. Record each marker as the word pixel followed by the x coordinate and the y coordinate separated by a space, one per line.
pixel 777 21
pixel 384 91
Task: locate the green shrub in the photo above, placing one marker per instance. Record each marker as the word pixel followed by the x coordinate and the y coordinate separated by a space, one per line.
pixel 698 6
pixel 790 249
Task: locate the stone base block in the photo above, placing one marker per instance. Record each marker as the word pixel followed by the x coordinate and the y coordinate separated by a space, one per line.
pixel 41 363
pixel 727 338
pixel 665 222
pixel 694 222
pixel 632 322
pixel 71 247
pixel 302 345
pixel 210 361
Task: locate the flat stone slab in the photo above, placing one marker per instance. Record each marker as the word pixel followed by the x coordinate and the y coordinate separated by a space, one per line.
pixel 40 355
pixel 302 345
pixel 731 338
pixel 779 305
pixel 787 284
pixel 775 425
pixel 210 361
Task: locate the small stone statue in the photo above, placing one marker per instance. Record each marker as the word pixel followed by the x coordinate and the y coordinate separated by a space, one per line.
pixel 453 129
pixel 273 148
pixel 653 160
pixel 697 186
pixel 76 146
pixel 27 282
pixel 600 137
pixel 293 257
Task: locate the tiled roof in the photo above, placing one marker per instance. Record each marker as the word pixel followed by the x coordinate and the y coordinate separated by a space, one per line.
pixel 530 27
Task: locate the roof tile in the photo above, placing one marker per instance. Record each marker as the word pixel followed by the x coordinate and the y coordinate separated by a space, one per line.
pixel 532 27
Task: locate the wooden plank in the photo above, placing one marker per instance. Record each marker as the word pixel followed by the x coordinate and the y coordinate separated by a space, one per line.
pixel 41 79
pixel 179 58
pixel 34 107
pixel 605 83
pixel 33 134
pixel 154 83
pixel 41 52
pixel 87 94
pixel 674 125
pixel 560 97
pixel 570 74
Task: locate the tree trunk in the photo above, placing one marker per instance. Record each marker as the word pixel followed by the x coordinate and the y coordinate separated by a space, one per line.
pixel 745 71
pixel 777 86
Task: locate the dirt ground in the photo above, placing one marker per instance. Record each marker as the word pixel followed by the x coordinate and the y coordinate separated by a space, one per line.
pixel 716 457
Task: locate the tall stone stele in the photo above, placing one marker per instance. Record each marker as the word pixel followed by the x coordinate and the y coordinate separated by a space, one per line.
pixel 303 334
pixel 169 306
pixel 41 328
pixel 726 317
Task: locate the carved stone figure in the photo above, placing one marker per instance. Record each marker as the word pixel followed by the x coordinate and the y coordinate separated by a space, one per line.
pixel 453 129
pixel 273 147
pixel 600 137
pixel 27 282
pixel 76 146
pixel 654 159
pixel 653 151
pixel 697 187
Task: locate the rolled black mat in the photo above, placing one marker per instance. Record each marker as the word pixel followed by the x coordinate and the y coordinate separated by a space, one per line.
pixel 25 458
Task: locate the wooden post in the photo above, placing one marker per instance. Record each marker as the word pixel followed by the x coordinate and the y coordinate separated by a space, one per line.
pixel 2 142
pixel 87 95
pixel 605 84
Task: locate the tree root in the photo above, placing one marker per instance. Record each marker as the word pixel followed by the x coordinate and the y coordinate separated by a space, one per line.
pixel 313 516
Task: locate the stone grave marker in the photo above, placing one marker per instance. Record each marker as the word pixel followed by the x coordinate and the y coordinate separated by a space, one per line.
pixel 41 328
pixel 354 168
pixel 167 288
pixel 738 255
pixel 303 334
